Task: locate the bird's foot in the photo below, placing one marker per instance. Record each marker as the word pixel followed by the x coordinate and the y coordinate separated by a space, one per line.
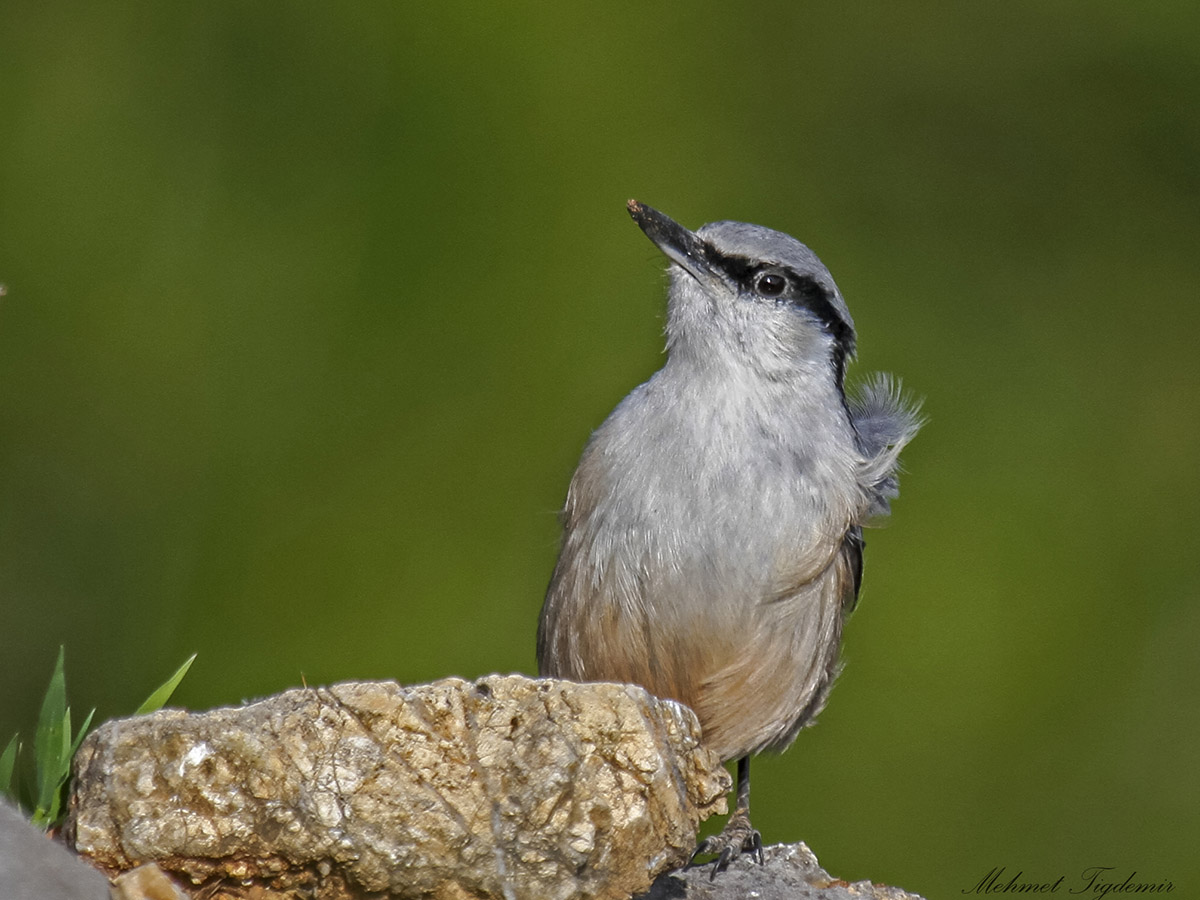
pixel 737 837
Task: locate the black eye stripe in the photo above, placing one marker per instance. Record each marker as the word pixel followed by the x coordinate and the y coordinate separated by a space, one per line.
pixel 739 268
pixel 814 297
pixel 802 291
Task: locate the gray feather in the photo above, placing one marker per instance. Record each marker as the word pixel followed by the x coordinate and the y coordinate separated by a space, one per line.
pixel 885 420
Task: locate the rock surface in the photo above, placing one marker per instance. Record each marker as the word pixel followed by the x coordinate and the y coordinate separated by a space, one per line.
pixel 503 787
pixel 789 871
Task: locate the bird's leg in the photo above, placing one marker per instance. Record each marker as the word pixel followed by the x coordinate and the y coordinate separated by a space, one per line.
pixel 738 836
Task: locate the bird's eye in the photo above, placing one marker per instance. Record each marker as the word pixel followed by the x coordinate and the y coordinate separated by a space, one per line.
pixel 770 284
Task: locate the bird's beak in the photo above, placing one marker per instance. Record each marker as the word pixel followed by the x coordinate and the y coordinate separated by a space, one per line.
pixel 681 246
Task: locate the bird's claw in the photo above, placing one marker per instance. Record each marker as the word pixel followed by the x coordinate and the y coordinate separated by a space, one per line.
pixel 737 837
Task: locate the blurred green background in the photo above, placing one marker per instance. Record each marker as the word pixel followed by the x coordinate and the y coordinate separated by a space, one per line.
pixel 311 307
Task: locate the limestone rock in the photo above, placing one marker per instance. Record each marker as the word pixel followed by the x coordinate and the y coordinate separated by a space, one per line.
pixel 503 787
pixel 789 871
pixel 146 882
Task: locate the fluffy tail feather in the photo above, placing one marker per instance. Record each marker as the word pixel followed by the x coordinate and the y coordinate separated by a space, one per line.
pixel 885 419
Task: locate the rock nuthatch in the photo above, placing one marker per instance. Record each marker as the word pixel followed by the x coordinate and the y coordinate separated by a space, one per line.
pixel 712 543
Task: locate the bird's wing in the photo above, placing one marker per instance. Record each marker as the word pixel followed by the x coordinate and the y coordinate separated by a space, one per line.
pixel 779 682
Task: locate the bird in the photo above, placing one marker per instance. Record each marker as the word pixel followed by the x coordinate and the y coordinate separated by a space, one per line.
pixel 712 543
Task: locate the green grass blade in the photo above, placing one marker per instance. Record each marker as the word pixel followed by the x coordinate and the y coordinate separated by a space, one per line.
pixel 64 752
pixel 83 730
pixel 8 761
pixel 159 698
pixel 53 735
